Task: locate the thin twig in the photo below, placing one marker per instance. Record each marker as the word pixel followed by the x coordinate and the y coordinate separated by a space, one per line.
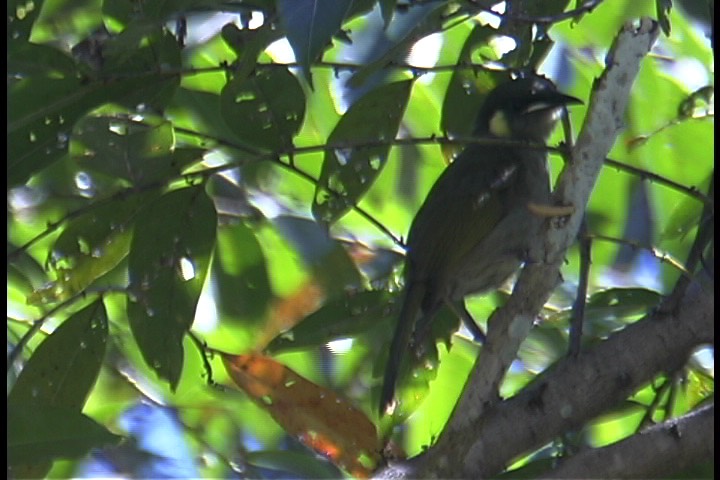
pixel 203 349
pixel 577 318
pixel 37 324
pixel 661 256
pixel 52 226
pixel 659 179
pixel 705 235
pixel 586 7
pixel 336 66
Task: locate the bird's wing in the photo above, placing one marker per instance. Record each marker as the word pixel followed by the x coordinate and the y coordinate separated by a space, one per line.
pixel 461 209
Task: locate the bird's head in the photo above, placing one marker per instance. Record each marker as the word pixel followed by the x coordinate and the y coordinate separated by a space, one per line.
pixel 522 109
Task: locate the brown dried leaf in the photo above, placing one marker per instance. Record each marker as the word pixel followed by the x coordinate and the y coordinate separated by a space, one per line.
pixel 319 417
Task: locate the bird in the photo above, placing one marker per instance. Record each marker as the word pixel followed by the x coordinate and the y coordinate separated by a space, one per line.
pixel 478 220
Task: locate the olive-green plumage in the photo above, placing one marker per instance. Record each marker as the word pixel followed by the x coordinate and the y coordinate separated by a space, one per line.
pixel 475 227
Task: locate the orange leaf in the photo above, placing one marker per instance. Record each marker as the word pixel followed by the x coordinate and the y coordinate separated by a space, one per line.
pixel 319 417
pixel 287 312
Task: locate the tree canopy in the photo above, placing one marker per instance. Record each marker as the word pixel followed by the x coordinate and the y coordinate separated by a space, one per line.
pixel 207 202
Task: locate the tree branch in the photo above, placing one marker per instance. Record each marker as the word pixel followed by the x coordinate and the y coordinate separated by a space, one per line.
pixel 657 452
pixel 576 390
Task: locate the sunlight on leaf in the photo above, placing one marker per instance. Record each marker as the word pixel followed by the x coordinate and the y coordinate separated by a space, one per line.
pixel 286 312
pixel 86 269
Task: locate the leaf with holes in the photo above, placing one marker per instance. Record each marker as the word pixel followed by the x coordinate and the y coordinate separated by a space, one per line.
pixel 266 109
pixel 85 269
pixel 64 367
pixel 21 16
pixel 124 148
pixel 57 377
pixel 348 172
pixel 42 109
pixel 169 257
pixel 90 246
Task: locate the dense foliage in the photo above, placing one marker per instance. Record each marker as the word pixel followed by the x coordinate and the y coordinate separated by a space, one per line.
pixel 196 186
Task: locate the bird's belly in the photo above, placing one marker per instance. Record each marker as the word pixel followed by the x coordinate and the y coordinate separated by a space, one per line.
pixel 480 276
pixel 479 272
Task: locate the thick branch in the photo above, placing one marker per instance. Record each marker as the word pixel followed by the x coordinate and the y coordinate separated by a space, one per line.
pixel 656 452
pixel 576 390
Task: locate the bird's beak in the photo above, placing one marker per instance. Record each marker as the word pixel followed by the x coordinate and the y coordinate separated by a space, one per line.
pixel 563 99
pixel 550 101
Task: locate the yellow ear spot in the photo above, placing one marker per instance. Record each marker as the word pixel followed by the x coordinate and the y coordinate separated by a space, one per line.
pixel 499 125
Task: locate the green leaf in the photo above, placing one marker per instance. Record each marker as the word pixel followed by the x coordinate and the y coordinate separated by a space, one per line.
pixel 141 152
pixel 169 167
pixel 90 246
pixel 64 367
pixel 266 109
pixel 610 309
pixel 41 112
pixel 402 32
pixel 40 434
pixel 663 8
pixel 621 302
pixel 347 173
pixel 387 9
pixel 310 25
pixel 146 57
pixel 21 16
pixel 86 234
pixel 43 109
pixel 293 464
pixel 339 318
pixel 530 470
pixel 240 274
pixel 86 269
pixel 331 266
pixel 683 219
pixel 44 419
pixel 120 147
pixel 200 112
pixel 467 89
pixel 23 272
pixel 698 102
pixel 248 44
pixel 168 261
pixel 30 59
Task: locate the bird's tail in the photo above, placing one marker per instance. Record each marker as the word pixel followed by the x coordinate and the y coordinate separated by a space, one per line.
pixel 401 338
